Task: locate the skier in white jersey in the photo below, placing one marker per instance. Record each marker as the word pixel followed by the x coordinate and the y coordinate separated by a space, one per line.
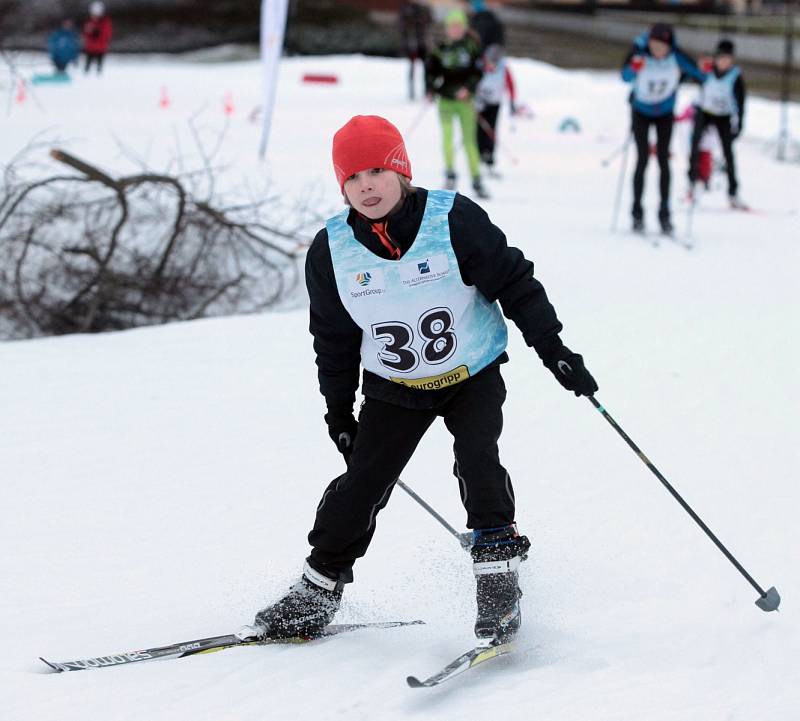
pixel 411 285
pixel 655 66
pixel 721 104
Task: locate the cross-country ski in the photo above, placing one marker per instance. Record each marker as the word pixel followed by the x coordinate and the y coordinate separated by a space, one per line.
pixel 210 645
pixel 475 656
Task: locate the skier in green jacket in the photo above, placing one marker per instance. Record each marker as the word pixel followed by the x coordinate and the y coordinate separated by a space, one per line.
pixel 452 73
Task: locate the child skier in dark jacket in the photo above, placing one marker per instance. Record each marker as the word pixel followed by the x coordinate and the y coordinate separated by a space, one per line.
pixel 409 284
pixel 721 105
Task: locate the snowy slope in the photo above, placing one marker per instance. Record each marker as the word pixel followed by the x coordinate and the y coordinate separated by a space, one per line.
pixel 158 484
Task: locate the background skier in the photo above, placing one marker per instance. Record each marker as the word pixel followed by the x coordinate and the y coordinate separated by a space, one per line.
pixel 721 105
pixel 453 73
pixel 495 82
pixel 655 66
pixel 409 284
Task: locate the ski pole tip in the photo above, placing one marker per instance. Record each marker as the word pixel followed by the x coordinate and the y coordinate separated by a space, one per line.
pixel 770 600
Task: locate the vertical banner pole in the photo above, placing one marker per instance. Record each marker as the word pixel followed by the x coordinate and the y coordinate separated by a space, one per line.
pixel 273 26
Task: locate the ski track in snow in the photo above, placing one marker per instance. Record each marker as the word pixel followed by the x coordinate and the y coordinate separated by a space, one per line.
pixel 158 484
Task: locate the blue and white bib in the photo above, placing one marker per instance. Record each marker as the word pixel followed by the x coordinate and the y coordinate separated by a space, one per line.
pixel 657 80
pixel 717 96
pixel 422 326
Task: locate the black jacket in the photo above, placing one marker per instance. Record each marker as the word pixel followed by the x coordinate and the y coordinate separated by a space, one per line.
pixel 489 28
pixel 452 66
pixel 485 260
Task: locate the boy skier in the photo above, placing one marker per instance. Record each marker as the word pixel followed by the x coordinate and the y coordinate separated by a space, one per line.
pixel 406 283
pixel 721 104
pixel 495 81
pixel 655 66
pixel 453 73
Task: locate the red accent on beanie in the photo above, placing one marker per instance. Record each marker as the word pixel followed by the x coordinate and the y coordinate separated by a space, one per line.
pixel 368 141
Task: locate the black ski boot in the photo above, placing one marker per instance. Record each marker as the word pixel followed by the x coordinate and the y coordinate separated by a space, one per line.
pixel 665 221
pixel 496 555
pixel 449 180
pixel 479 188
pixel 638 219
pixel 305 610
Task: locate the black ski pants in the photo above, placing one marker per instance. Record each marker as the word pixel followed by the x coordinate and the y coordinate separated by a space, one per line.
pixel 387 437
pixel 487 132
pixel 94 59
pixel 640 127
pixel 723 125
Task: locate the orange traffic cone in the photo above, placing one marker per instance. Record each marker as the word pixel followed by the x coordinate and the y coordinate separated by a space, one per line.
pixel 227 105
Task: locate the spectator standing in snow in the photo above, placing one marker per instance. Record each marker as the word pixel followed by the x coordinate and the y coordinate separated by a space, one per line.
pixel 721 105
pixel 453 73
pixel 415 21
pixel 487 25
pixel 63 46
pixel 96 36
pixel 655 66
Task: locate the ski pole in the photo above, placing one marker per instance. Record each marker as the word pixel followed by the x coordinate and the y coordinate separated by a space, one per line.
pixel 768 600
pixel 465 539
pixel 426 106
pixel 605 162
pixel 690 217
pixel 623 167
pixel 484 123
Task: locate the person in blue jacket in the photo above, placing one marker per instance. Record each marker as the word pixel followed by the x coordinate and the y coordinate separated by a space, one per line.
pixel 655 66
pixel 63 46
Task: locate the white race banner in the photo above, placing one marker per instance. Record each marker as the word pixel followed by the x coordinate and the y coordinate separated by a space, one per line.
pixel 273 25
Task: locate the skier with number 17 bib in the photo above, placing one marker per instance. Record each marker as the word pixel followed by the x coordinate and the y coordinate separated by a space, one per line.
pixel 655 66
pixel 412 285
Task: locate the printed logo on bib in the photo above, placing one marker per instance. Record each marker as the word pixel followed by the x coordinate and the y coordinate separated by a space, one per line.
pixel 434 383
pixel 367 282
pixel 427 270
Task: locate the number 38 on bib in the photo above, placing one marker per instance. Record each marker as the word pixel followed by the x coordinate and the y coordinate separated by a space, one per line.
pixel 421 325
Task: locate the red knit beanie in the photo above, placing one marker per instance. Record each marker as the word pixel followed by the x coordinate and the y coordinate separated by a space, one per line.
pixel 368 141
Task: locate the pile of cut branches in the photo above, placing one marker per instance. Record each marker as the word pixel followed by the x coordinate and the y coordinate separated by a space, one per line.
pixel 82 251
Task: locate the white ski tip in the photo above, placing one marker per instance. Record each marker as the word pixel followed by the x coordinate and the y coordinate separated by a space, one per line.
pixel 250 633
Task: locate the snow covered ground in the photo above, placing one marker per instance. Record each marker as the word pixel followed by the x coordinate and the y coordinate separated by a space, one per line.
pixel 158 484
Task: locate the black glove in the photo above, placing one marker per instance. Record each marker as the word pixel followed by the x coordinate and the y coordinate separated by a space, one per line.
pixel 342 428
pixel 570 372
